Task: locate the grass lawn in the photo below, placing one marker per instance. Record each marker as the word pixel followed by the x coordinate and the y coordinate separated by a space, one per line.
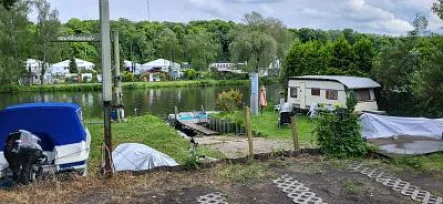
pixel 148 130
pixel 265 125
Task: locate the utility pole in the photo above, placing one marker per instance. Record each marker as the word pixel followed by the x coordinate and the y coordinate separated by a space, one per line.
pixel 105 33
pixel 117 79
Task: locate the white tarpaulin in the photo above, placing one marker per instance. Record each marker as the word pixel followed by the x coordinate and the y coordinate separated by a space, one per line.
pixel 383 126
pixel 139 157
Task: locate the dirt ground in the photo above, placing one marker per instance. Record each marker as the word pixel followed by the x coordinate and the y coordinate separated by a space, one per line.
pixel 331 180
pixel 235 147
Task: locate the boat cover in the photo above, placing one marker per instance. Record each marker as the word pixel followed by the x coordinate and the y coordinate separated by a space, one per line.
pixel 58 125
pixel 382 126
pixel 139 157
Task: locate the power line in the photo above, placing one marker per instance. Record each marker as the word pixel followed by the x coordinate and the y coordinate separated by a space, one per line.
pixel 149 10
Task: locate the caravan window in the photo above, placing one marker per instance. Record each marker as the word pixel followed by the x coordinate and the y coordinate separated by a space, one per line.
pixel 293 92
pixel 315 92
pixel 363 95
pixel 332 94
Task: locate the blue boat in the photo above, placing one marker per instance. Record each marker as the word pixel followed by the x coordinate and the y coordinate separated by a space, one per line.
pixel 65 139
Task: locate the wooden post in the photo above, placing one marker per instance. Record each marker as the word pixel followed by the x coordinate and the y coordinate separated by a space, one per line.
pixel 248 126
pixel 294 132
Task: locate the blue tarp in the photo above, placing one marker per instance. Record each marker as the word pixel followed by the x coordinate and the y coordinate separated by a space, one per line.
pixel 55 123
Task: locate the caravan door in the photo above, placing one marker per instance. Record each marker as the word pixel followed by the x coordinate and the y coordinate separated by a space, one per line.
pixel 297 95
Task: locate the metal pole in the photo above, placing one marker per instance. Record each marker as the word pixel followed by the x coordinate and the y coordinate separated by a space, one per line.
pixel 117 79
pixel 254 93
pixel 106 83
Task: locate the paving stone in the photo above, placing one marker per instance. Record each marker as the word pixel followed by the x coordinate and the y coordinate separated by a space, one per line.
pixel 405 188
pixel 297 191
pixel 213 198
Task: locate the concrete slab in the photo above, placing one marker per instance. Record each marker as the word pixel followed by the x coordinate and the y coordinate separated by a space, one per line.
pixel 413 148
pixel 235 147
pixel 407 145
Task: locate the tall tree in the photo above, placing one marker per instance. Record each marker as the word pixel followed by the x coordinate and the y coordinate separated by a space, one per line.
pixel 341 54
pixel 14 41
pixel 8 3
pixel 48 27
pixel 437 7
pixel 257 48
pixel 420 24
pixel 168 46
pixel 73 69
pixel 202 49
pixel 363 55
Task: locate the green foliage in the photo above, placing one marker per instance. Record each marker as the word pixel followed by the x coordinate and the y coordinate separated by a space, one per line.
pixel 339 133
pixel 73 69
pixel 230 100
pixel 8 3
pixel 190 74
pixel 202 49
pixel 437 7
pixel 127 76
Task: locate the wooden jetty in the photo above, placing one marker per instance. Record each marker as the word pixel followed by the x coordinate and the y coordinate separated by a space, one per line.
pixel 198 128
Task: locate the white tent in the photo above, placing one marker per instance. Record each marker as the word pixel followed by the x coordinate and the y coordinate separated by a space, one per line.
pixel 138 68
pixel 161 65
pixel 63 67
pixel 35 65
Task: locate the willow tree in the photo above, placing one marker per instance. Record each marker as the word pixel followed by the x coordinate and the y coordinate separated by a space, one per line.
pixel 201 49
pixel 257 48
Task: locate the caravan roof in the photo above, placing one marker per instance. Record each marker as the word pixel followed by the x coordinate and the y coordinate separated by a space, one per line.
pixel 350 82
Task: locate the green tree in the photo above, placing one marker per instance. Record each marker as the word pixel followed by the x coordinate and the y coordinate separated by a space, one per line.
pixel 257 48
pixel 8 3
pixel 168 46
pixel 363 55
pixel 342 56
pixel 48 27
pixel 73 69
pixel 437 7
pixel 15 41
pixel 202 49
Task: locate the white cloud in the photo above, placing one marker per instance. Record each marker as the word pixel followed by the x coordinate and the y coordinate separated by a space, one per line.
pixel 267 9
pixel 376 16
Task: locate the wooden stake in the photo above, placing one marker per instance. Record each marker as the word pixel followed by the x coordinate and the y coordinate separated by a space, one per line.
pixel 248 126
pixel 294 132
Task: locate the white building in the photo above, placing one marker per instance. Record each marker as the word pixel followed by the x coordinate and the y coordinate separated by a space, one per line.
pixel 133 67
pixel 161 65
pixel 35 67
pixel 62 68
pixel 227 66
pixel 306 91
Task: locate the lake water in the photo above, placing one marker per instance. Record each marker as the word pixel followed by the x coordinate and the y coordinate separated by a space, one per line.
pixel 159 101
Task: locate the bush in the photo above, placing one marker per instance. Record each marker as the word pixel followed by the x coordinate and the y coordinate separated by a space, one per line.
pixel 127 76
pixel 230 101
pixel 339 133
pixel 190 74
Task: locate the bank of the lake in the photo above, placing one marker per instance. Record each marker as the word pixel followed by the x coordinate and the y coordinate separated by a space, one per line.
pixel 148 130
pixel 82 87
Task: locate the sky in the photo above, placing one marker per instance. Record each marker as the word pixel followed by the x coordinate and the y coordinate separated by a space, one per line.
pixel 392 17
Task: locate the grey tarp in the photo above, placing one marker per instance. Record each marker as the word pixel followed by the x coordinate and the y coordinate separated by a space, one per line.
pixel 383 126
pixel 139 157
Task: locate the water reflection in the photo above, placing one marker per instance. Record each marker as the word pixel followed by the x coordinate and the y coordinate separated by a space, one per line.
pixel 159 102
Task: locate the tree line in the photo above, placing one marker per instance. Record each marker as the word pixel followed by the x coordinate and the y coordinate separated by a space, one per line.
pixel 408 67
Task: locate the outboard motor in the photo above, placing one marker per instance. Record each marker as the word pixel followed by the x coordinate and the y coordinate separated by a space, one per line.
pixel 24 154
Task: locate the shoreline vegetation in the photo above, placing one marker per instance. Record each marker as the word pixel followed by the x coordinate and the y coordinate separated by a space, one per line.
pixel 125 86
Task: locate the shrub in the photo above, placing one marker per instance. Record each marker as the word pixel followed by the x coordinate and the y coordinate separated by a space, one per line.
pixel 339 133
pixel 190 74
pixel 230 101
pixel 127 76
